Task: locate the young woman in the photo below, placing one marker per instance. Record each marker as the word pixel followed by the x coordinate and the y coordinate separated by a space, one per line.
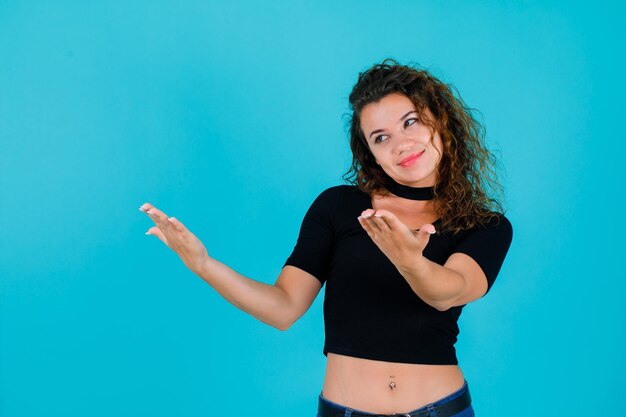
pixel 402 249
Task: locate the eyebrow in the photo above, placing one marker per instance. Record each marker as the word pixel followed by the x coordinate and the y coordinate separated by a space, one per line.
pixel 401 119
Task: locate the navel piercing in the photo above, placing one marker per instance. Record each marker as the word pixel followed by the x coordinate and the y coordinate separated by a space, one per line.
pixel 392 385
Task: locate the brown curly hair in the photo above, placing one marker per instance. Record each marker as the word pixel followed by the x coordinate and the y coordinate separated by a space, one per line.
pixel 467 169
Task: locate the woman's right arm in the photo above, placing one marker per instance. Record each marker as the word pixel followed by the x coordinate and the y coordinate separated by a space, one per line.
pixel 301 278
pixel 278 305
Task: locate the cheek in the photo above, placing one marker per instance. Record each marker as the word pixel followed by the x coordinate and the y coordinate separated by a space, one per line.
pixel 438 145
pixel 423 131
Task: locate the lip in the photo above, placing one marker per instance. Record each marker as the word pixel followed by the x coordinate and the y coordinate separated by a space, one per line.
pixel 410 159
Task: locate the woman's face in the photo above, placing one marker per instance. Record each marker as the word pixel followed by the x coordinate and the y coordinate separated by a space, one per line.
pixel 400 142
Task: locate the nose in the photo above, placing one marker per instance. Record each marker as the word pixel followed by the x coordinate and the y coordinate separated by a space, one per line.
pixel 404 143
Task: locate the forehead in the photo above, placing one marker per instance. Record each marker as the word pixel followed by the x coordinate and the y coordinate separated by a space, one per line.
pixel 387 111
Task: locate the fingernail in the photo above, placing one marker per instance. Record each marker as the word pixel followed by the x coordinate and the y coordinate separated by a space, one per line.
pixel 432 233
pixel 149 211
pixel 148 233
pixel 378 215
pixel 142 209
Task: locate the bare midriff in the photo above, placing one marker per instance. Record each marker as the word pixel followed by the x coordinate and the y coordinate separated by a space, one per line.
pixel 387 387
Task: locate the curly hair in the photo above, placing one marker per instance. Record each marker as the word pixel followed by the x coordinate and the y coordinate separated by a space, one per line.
pixel 467 171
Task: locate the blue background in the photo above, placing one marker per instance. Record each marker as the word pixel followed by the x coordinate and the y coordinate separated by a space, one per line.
pixel 229 117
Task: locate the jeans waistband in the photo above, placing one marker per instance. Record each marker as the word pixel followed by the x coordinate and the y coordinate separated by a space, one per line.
pixel 443 407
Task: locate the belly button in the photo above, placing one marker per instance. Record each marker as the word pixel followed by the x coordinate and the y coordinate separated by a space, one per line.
pixel 392 385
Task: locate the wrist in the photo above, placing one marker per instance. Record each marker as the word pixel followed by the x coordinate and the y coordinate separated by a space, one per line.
pixel 202 265
pixel 416 266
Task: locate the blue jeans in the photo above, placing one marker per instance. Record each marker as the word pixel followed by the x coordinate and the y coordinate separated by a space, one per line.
pixel 468 412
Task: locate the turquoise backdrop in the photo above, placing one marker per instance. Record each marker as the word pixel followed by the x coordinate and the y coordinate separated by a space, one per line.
pixel 229 116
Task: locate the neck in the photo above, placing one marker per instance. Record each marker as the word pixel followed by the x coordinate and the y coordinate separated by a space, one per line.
pixel 411 193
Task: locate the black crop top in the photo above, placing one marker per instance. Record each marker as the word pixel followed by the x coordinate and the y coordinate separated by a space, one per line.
pixel 370 311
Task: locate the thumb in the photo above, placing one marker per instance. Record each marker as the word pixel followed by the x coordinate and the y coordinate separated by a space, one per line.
pixel 423 234
pixel 158 233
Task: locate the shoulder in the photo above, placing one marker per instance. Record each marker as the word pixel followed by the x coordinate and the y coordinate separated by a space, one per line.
pixel 337 193
pixel 342 189
pixel 496 229
pixel 338 200
pixel 497 221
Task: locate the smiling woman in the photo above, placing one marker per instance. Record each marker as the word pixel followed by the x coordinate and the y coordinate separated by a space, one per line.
pixel 434 241
pixel 398 146
pixel 402 249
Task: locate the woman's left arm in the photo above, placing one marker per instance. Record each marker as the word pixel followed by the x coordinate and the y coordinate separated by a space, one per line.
pixel 459 281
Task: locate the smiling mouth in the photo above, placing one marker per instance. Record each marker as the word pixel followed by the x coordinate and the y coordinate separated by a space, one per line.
pixel 408 160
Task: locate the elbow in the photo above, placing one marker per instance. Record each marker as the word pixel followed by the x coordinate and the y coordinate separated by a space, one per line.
pixel 283 325
pixel 441 306
pixel 279 324
pixel 444 307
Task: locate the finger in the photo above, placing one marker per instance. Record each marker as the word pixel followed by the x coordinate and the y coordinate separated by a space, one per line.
pixel 367 217
pixel 145 207
pixel 158 233
pixel 391 220
pixel 159 217
pixel 428 228
pixel 366 225
pixel 380 223
pixel 156 213
pixel 177 224
pixel 373 225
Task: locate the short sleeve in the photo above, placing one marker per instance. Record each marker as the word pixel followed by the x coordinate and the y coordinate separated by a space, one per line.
pixel 314 248
pixel 488 246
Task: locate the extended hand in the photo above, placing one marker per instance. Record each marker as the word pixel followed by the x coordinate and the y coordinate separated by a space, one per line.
pixel 399 243
pixel 176 236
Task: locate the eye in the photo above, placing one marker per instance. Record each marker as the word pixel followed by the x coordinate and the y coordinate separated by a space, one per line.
pixel 409 122
pixel 378 139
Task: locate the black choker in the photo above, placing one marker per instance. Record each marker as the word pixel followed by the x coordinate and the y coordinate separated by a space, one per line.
pixel 412 193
